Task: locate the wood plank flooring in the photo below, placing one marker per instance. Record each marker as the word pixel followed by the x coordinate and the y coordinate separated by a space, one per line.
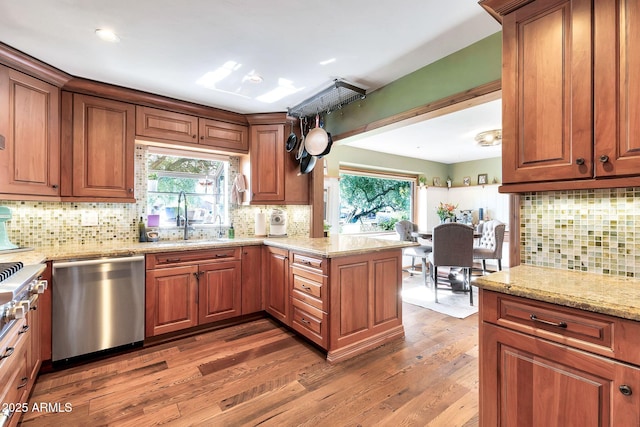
pixel 260 373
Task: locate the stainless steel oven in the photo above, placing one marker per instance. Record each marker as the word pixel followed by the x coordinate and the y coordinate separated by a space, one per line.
pixel 19 287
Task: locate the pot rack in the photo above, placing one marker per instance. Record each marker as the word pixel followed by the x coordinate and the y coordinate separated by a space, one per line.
pixel 330 99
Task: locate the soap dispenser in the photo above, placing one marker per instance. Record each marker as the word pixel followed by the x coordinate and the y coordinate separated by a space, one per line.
pixel 232 232
pixel 142 231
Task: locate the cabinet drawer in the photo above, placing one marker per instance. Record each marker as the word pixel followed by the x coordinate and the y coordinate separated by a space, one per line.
pixel 190 257
pixel 308 290
pixel 14 377
pixel 310 262
pixel 309 321
pixel 601 334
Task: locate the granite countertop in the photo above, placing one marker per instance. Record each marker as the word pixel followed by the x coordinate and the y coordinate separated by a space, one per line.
pixel 325 247
pixel 337 245
pixel 611 295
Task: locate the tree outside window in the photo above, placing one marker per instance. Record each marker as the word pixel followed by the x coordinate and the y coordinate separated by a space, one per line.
pixel 373 204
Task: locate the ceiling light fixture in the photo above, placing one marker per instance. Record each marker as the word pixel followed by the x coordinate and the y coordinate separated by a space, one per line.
pixel 107 35
pixel 253 77
pixel 489 138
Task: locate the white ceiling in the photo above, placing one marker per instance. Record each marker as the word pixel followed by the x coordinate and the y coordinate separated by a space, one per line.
pixel 166 45
pixel 449 138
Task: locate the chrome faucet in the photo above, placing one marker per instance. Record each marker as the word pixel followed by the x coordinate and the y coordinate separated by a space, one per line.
pixel 186 215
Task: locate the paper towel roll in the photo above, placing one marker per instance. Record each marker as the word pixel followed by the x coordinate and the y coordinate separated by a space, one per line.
pixel 261 224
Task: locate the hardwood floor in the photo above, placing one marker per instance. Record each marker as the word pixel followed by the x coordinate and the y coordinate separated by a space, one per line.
pixel 260 373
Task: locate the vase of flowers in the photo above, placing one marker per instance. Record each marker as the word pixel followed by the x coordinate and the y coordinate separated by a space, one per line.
pixel 446 212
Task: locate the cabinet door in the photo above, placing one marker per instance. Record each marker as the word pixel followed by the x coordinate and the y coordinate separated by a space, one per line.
pixel 171 300
pixel 161 124
pixel 527 381
pixel 103 147
pixel 30 125
pixel 267 163
pixel 251 285
pixel 617 87
pixel 219 291
pixel 547 92
pixel 276 281
pixel 223 136
pixel 34 354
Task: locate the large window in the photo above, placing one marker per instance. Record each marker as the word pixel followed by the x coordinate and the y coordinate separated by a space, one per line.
pixel 203 179
pixel 371 202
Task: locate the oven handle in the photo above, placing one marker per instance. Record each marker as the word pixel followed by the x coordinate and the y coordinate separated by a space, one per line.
pixel 97 261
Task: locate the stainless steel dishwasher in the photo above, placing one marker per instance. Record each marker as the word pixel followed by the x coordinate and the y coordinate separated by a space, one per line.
pixel 97 304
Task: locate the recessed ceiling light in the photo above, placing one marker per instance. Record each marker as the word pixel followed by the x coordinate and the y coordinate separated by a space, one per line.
pixel 328 61
pixel 253 77
pixel 107 35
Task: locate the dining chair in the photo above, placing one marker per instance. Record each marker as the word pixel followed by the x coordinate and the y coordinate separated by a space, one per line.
pixel 489 245
pixel 404 229
pixel 452 247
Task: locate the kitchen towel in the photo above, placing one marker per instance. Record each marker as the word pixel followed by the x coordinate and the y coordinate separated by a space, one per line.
pixel 238 188
pixel 261 224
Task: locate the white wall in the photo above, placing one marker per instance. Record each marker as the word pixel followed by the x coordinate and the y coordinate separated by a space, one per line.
pixel 494 204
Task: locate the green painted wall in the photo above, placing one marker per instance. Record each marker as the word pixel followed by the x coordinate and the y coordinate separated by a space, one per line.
pixel 492 167
pixel 465 69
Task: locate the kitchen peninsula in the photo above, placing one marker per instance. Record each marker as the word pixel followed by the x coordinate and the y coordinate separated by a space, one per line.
pixel 342 293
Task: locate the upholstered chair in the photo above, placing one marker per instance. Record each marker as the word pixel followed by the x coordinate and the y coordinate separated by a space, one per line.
pixel 404 230
pixel 452 247
pixel 489 245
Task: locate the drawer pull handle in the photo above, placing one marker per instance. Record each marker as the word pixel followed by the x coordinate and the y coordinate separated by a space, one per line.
pixel 24 381
pixel 306 288
pixel 306 263
pixel 625 389
pixel 8 352
pixel 305 321
pixel 546 322
pixel 172 260
pixel 24 329
pixel 222 256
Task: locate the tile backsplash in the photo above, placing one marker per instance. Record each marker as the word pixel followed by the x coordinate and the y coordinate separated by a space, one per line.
pixel 50 224
pixel 586 230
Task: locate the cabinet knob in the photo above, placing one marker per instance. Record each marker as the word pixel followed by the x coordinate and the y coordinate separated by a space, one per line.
pixel 131 190
pixel 579 161
pixel 202 137
pixel 54 186
pixel 625 389
pixel 194 136
pixel 604 158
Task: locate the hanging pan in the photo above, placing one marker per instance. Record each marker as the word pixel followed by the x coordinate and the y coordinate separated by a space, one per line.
pixel 307 163
pixel 301 151
pixel 292 140
pixel 316 140
pixel 329 144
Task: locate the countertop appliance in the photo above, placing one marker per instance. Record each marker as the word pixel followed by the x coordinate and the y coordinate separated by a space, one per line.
pixel 278 223
pixel 19 288
pixel 5 215
pixel 97 304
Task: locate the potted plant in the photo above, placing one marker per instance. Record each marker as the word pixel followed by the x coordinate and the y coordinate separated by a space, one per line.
pixel 152 182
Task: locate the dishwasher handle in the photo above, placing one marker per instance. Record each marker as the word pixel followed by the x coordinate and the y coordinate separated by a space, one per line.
pixel 97 261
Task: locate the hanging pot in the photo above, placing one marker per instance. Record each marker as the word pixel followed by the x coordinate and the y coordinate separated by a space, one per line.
pixel 307 163
pixel 329 144
pixel 316 140
pixel 292 140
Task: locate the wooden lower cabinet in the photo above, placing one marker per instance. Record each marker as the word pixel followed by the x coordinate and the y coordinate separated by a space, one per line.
pixel 171 299
pixel 526 380
pixel 346 305
pixel 252 292
pixel 219 286
pixel 276 281
pixel 14 372
pixel 190 288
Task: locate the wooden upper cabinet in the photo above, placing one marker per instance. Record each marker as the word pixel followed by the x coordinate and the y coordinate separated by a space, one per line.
pixel 275 174
pixel 617 87
pixel 223 135
pixel 267 163
pixel 571 93
pixel 154 123
pixel 103 144
pixel 30 125
pixel 546 89
pixel 174 127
